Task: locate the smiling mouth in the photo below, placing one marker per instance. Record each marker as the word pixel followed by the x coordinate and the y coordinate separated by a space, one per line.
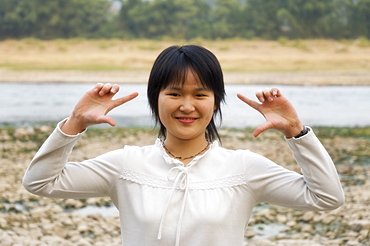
pixel 186 119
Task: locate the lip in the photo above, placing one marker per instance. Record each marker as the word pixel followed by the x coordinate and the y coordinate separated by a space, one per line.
pixel 186 120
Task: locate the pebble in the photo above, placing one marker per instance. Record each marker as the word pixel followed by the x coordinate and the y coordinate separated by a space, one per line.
pixel 308 216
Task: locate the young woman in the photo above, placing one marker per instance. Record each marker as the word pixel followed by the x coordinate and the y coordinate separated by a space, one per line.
pixel 185 189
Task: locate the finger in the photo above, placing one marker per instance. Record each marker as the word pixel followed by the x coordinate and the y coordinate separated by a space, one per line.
pixel 260 96
pixel 275 92
pixel 98 87
pixel 122 100
pixel 268 95
pixel 115 89
pixel 263 95
pixel 105 89
pixel 248 101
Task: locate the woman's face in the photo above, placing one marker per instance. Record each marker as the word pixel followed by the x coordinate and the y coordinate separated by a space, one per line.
pixel 186 110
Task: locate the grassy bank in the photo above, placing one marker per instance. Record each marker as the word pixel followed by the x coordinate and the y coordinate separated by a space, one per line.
pixel 38 134
pixel 234 55
pixel 353 140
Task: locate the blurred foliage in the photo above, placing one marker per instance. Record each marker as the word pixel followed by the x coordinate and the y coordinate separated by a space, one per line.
pixel 331 132
pixel 185 19
pixel 53 19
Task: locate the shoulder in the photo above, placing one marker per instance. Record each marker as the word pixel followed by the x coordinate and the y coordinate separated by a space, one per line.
pixel 243 160
pixel 136 157
pixel 237 159
pixel 127 154
pixel 234 154
pixel 140 150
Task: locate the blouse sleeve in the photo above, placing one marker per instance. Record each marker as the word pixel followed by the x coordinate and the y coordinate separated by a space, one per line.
pixel 50 174
pixel 319 187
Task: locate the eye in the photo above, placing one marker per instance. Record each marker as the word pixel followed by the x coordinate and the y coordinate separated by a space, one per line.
pixel 200 95
pixel 173 94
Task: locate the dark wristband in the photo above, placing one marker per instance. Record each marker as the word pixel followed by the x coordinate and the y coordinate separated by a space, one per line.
pixel 303 132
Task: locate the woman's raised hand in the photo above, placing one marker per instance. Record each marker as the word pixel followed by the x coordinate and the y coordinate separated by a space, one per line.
pixel 277 110
pixel 93 107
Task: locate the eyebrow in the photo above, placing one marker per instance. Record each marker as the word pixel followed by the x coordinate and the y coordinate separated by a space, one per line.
pixel 179 88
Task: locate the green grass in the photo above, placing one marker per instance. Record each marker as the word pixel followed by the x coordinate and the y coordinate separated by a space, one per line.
pixel 363 42
pixel 331 132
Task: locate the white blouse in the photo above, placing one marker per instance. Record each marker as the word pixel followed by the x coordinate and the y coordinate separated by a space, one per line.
pixel 207 202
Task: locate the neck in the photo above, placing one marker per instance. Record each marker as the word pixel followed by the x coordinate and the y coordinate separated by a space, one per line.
pixel 186 149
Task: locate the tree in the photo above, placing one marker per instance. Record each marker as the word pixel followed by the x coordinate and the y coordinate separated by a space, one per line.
pixel 360 19
pixel 185 19
pixel 227 19
pixel 306 21
pixel 264 22
pixel 159 18
pixel 52 19
pixel 17 18
pixel 336 24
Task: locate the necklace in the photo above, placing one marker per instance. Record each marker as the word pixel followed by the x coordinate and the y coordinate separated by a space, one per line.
pixel 185 158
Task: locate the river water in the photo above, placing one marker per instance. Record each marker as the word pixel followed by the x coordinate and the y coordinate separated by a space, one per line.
pixel 338 106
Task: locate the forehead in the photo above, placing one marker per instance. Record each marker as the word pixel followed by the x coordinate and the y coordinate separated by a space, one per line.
pixel 187 79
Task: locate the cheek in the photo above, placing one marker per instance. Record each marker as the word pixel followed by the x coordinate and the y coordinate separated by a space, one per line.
pixel 161 107
pixel 209 110
pixel 165 108
pixel 211 113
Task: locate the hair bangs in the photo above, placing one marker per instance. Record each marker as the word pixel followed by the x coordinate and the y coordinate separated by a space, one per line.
pixel 177 73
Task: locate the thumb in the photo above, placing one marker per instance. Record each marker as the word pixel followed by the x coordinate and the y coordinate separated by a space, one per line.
pixel 261 128
pixel 106 119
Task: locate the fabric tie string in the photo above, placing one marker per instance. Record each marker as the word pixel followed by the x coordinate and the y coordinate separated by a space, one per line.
pixel 180 177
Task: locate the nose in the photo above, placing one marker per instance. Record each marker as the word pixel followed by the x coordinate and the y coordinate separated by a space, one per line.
pixel 187 105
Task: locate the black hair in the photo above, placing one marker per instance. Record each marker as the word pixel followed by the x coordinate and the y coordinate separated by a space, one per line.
pixel 172 65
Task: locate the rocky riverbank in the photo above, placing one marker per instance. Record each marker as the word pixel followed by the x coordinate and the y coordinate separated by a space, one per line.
pixel 26 219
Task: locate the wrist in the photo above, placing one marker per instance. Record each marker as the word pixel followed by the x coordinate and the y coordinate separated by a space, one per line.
pixel 72 126
pixel 303 132
pixel 294 130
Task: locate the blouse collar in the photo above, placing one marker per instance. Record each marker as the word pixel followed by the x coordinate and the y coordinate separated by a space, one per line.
pixel 173 161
